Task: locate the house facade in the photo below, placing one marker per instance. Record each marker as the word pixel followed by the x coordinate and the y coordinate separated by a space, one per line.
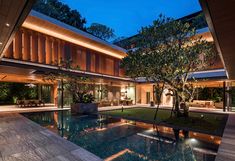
pixel 43 43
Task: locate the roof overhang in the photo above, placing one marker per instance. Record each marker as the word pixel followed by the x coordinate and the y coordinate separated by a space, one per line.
pixel 221 21
pixel 216 74
pixel 43 69
pixel 12 15
pixel 41 23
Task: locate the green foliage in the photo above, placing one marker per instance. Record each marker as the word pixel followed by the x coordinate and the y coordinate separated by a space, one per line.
pixel 101 31
pixel 4 91
pixel 80 88
pixel 215 94
pixel 199 21
pixel 84 98
pixel 10 92
pixel 169 51
pixel 61 12
pixel 118 39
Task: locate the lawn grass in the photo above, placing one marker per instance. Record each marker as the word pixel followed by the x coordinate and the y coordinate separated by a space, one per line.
pixel 210 123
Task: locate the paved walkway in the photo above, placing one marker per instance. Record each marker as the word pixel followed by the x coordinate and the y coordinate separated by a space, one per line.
pixel 107 108
pixel 226 150
pixel 51 107
pixel 23 140
pixel 16 109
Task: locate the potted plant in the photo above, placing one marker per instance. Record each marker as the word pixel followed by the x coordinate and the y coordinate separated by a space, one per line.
pixel 83 103
pixel 83 99
pixel 218 102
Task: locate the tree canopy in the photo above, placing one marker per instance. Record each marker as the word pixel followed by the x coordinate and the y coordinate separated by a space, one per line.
pixel 61 12
pixel 101 31
pixel 169 52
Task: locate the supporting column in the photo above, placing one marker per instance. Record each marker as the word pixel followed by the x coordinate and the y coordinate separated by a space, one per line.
pixel 55 94
pixel 224 96
pixel 39 91
pixel 62 93
pixel 228 96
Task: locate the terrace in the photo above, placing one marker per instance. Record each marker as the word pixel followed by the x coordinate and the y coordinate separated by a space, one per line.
pixel 37 116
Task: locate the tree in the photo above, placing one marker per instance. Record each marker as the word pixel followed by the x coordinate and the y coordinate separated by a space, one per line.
pixel 169 52
pixel 147 63
pixel 78 86
pixel 118 39
pixel 101 31
pixel 61 12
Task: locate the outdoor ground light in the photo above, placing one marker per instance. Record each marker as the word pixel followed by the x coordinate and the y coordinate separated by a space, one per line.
pixel 202 116
pixel 7 24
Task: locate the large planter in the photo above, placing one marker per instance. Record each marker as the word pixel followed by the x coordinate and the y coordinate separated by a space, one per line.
pixel 219 105
pixel 84 108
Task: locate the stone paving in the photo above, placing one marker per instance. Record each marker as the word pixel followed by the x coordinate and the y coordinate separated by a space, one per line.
pixel 16 109
pixel 23 140
pixel 226 150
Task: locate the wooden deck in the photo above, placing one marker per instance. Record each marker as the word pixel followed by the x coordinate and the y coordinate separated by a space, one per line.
pixel 23 140
pixel 226 150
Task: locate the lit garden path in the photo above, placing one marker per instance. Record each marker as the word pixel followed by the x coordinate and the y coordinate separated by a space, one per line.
pixel 226 150
pixel 23 140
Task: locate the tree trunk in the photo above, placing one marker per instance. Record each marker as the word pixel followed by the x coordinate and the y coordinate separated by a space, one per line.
pixel 158 99
pixel 177 105
pixel 186 109
pixel 155 115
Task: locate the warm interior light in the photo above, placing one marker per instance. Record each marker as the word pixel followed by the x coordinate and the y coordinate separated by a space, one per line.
pixel 7 24
pixel 69 39
pixel 0 43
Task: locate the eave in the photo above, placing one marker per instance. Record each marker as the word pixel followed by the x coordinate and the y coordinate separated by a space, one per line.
pixel 41 23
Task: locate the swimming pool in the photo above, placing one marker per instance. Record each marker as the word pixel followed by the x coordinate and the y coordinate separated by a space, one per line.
pixel 126 140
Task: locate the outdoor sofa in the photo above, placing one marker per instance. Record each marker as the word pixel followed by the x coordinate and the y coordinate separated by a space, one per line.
pixel 30 103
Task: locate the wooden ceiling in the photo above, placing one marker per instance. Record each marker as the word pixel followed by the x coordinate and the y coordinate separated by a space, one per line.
pixel 21 75
pixel 12 15
pixel 220 17
pixel 29 75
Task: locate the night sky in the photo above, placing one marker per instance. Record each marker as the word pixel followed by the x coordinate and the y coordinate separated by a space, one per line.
pixel 127 16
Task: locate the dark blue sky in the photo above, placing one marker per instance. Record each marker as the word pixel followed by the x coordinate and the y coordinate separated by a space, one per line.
pixel 127 16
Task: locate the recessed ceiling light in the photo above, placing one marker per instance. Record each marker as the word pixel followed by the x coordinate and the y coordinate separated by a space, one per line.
pixel 0 43
pixel 7 24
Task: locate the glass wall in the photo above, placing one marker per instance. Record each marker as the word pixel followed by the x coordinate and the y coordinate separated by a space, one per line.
pixel 46 93
pixel 105 95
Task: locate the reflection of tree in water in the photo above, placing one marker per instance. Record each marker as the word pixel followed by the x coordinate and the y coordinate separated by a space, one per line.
pixel 89 132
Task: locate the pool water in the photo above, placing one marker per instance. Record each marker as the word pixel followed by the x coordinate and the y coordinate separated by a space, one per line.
pixel 125 140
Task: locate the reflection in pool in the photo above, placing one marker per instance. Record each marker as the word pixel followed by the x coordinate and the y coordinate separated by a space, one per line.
pixel 126 140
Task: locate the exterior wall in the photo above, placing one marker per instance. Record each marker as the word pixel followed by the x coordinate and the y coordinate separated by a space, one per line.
pixel 141 92
pixel 32 46
pixel 141 96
